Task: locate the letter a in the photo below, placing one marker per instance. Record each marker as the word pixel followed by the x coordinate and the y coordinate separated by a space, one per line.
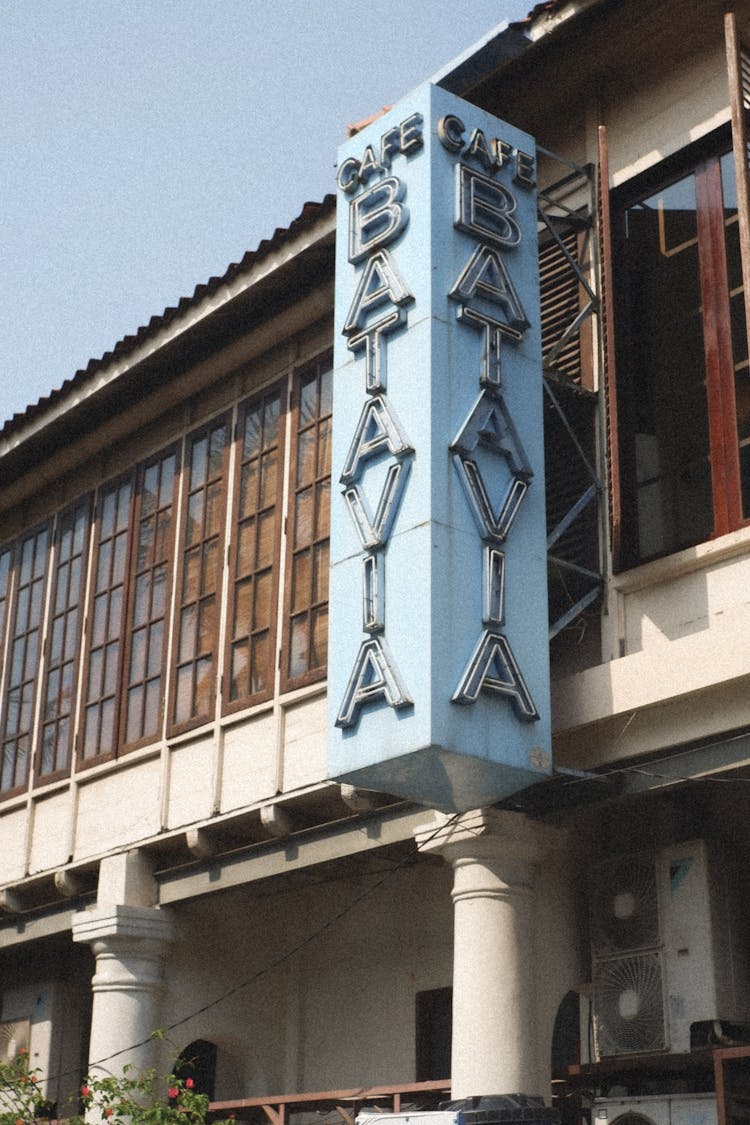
pixel 485 275
pixel 373 680
pixel 493 667
pixel 378 284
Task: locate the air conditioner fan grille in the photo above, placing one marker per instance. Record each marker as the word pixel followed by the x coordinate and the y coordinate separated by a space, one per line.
pixel 628 1005
pixel 624 907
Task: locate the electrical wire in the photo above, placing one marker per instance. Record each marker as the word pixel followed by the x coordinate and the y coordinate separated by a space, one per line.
pixel 327 925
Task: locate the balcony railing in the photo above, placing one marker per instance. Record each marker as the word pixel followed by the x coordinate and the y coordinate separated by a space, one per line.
pixel 342 1105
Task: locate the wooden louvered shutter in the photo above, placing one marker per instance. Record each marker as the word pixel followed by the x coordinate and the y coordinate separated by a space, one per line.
pixel 560 304
pixel 738 70
pixel 606 296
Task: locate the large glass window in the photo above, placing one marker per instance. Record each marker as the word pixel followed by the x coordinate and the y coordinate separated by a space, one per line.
pixel 682 361
pixel 306 618
pixel 106 627
pixel 149 597
pixel 180 559
pixel 255 553
pixel 24 651
pixel 64 638
pixel 199 581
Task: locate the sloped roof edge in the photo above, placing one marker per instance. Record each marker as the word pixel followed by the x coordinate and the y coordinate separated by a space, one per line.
pixel 165 323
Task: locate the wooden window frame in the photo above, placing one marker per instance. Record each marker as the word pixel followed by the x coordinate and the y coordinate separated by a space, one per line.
pixel 115 635
pixel 166 561
pixel 70 614
pixel 702 160
pixel 198 718
pixel 234 638
pixel 30 682
pixel 319 483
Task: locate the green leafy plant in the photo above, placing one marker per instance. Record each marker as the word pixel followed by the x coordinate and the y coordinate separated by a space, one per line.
pixel 130 1098
pixel 21 1100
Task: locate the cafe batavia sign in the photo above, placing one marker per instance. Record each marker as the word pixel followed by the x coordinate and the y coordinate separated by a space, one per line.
pixel 438 681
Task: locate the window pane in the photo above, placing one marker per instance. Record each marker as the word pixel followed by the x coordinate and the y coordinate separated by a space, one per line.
pixel 261 678
pixel 308 399
pixel 249 489
pixel 253 433
pixel 303 518
pixel 319 638
pixel 306 456
pixel 246 549
pixel 738 328
pixel 135 706
pixel 320 584
pixel 240 653
pixel 191 574
pixel 301 581
pixel 263 606
pixel 138 655
pixel 243 608
pixel 152 708
pixel 668 401
pixel 266 539
pixel 184 695
pixel 188 621
pixel 270 472
pixel 210 575
pixel 298 663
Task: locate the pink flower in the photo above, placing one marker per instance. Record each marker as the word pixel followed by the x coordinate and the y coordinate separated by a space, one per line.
pixel 108 1111
pixel 85 1092
pixel 189 1083
pixel 173 1092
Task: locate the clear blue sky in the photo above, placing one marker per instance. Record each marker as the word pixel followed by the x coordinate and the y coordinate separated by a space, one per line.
pixel 146 144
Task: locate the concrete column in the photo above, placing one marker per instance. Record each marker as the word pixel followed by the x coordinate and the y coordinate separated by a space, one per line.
pixel 496 1047
pixel 129 938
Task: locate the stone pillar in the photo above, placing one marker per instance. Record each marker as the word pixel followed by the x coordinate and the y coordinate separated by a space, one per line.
pixel 496 1048
pixel 129 941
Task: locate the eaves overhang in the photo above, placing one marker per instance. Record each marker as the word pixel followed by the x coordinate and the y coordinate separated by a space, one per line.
pixel 280 272
pixel 505 44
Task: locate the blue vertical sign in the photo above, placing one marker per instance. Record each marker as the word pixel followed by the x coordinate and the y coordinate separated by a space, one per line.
pixel 438 678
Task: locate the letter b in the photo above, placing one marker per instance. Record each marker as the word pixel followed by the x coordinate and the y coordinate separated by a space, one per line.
pixel 376 217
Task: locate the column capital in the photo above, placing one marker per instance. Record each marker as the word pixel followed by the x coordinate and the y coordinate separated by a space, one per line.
pixel 122 925
pixel 489 836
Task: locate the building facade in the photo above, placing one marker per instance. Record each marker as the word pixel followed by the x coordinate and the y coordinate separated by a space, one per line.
pixel 176 852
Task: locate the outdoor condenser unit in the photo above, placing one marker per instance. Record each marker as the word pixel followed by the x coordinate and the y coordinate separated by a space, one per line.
pixel 677 1109
pixel 667 949
pixel 501 1109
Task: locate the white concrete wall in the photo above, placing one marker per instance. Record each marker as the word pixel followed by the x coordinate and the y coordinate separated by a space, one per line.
pixel 677 637
pixel 332 976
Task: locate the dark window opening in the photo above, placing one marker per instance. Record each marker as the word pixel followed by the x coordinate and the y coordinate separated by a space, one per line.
pixel 198 1062
pixel 434 1023
pixel 682 355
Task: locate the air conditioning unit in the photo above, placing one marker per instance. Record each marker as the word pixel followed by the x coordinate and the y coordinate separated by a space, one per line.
pixel 667 948
pixel 677 1109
